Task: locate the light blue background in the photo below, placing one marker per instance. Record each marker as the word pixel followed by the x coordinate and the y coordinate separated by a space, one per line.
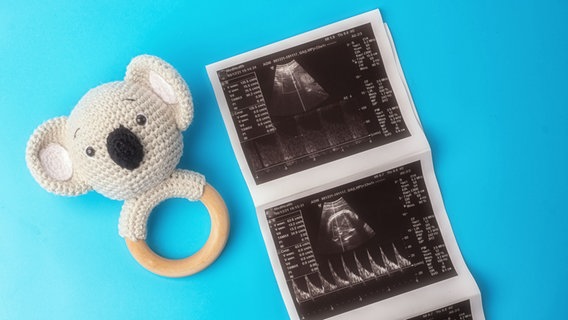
pixel 490 81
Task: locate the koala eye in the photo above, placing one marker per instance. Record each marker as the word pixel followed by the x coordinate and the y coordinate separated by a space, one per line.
pixel 141 119
pixel 90 151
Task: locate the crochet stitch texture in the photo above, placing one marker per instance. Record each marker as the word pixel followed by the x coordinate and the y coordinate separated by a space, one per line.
pixel 123 139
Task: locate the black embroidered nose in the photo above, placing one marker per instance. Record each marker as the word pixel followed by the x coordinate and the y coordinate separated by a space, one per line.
pixel 125 148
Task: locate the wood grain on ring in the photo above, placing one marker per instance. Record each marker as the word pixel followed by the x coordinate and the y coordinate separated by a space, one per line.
pixel 177 268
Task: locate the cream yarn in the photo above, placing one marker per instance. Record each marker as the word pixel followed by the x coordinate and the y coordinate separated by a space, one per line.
pixel 123 139
pixel 135 212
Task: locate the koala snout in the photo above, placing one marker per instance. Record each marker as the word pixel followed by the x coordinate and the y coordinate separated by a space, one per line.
pixel 124 148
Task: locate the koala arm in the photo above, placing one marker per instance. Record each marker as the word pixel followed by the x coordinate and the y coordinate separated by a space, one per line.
pixel 135 212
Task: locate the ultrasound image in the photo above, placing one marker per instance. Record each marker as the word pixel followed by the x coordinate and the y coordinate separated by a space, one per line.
pixel 341 228
pixel 313 103
pixel 294 90
pixel 359 243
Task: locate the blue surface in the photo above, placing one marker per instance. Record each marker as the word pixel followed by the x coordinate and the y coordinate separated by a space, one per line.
pixel 489 79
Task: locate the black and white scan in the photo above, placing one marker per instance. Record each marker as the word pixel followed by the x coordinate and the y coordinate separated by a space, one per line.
pixel 359 243
pixel 457 311
pixel 315 122
pixel 312 103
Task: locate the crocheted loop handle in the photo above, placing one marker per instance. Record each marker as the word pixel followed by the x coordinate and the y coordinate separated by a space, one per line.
pixel 176 268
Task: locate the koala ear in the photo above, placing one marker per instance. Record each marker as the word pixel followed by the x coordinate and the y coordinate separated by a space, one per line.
pixel 49 161
pixel 166 82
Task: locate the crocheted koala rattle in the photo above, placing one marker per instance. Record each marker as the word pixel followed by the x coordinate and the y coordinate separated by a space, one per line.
pixel 123 140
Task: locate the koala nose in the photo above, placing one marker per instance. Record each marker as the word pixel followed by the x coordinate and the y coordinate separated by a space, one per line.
pixel 124 148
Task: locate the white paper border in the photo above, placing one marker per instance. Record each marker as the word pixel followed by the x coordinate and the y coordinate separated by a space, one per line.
pixel 341 168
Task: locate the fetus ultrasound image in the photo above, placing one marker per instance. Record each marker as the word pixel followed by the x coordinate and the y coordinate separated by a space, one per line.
pixel 312 103
pixel 359 243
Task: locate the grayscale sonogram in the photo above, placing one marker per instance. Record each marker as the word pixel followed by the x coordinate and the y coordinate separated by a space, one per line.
pixel 312 103
pixel 359 243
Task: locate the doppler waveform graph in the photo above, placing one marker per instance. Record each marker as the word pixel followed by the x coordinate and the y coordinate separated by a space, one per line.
pixel 306 289
pixel 360 242
pixel 313 103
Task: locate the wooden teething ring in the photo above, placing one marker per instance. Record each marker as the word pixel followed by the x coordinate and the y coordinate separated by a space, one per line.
pixel 176 268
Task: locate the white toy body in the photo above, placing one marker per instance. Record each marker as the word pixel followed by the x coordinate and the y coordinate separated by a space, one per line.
pixel 123 140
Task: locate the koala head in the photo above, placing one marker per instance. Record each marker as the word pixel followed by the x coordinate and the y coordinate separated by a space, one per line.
pixel 121 139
